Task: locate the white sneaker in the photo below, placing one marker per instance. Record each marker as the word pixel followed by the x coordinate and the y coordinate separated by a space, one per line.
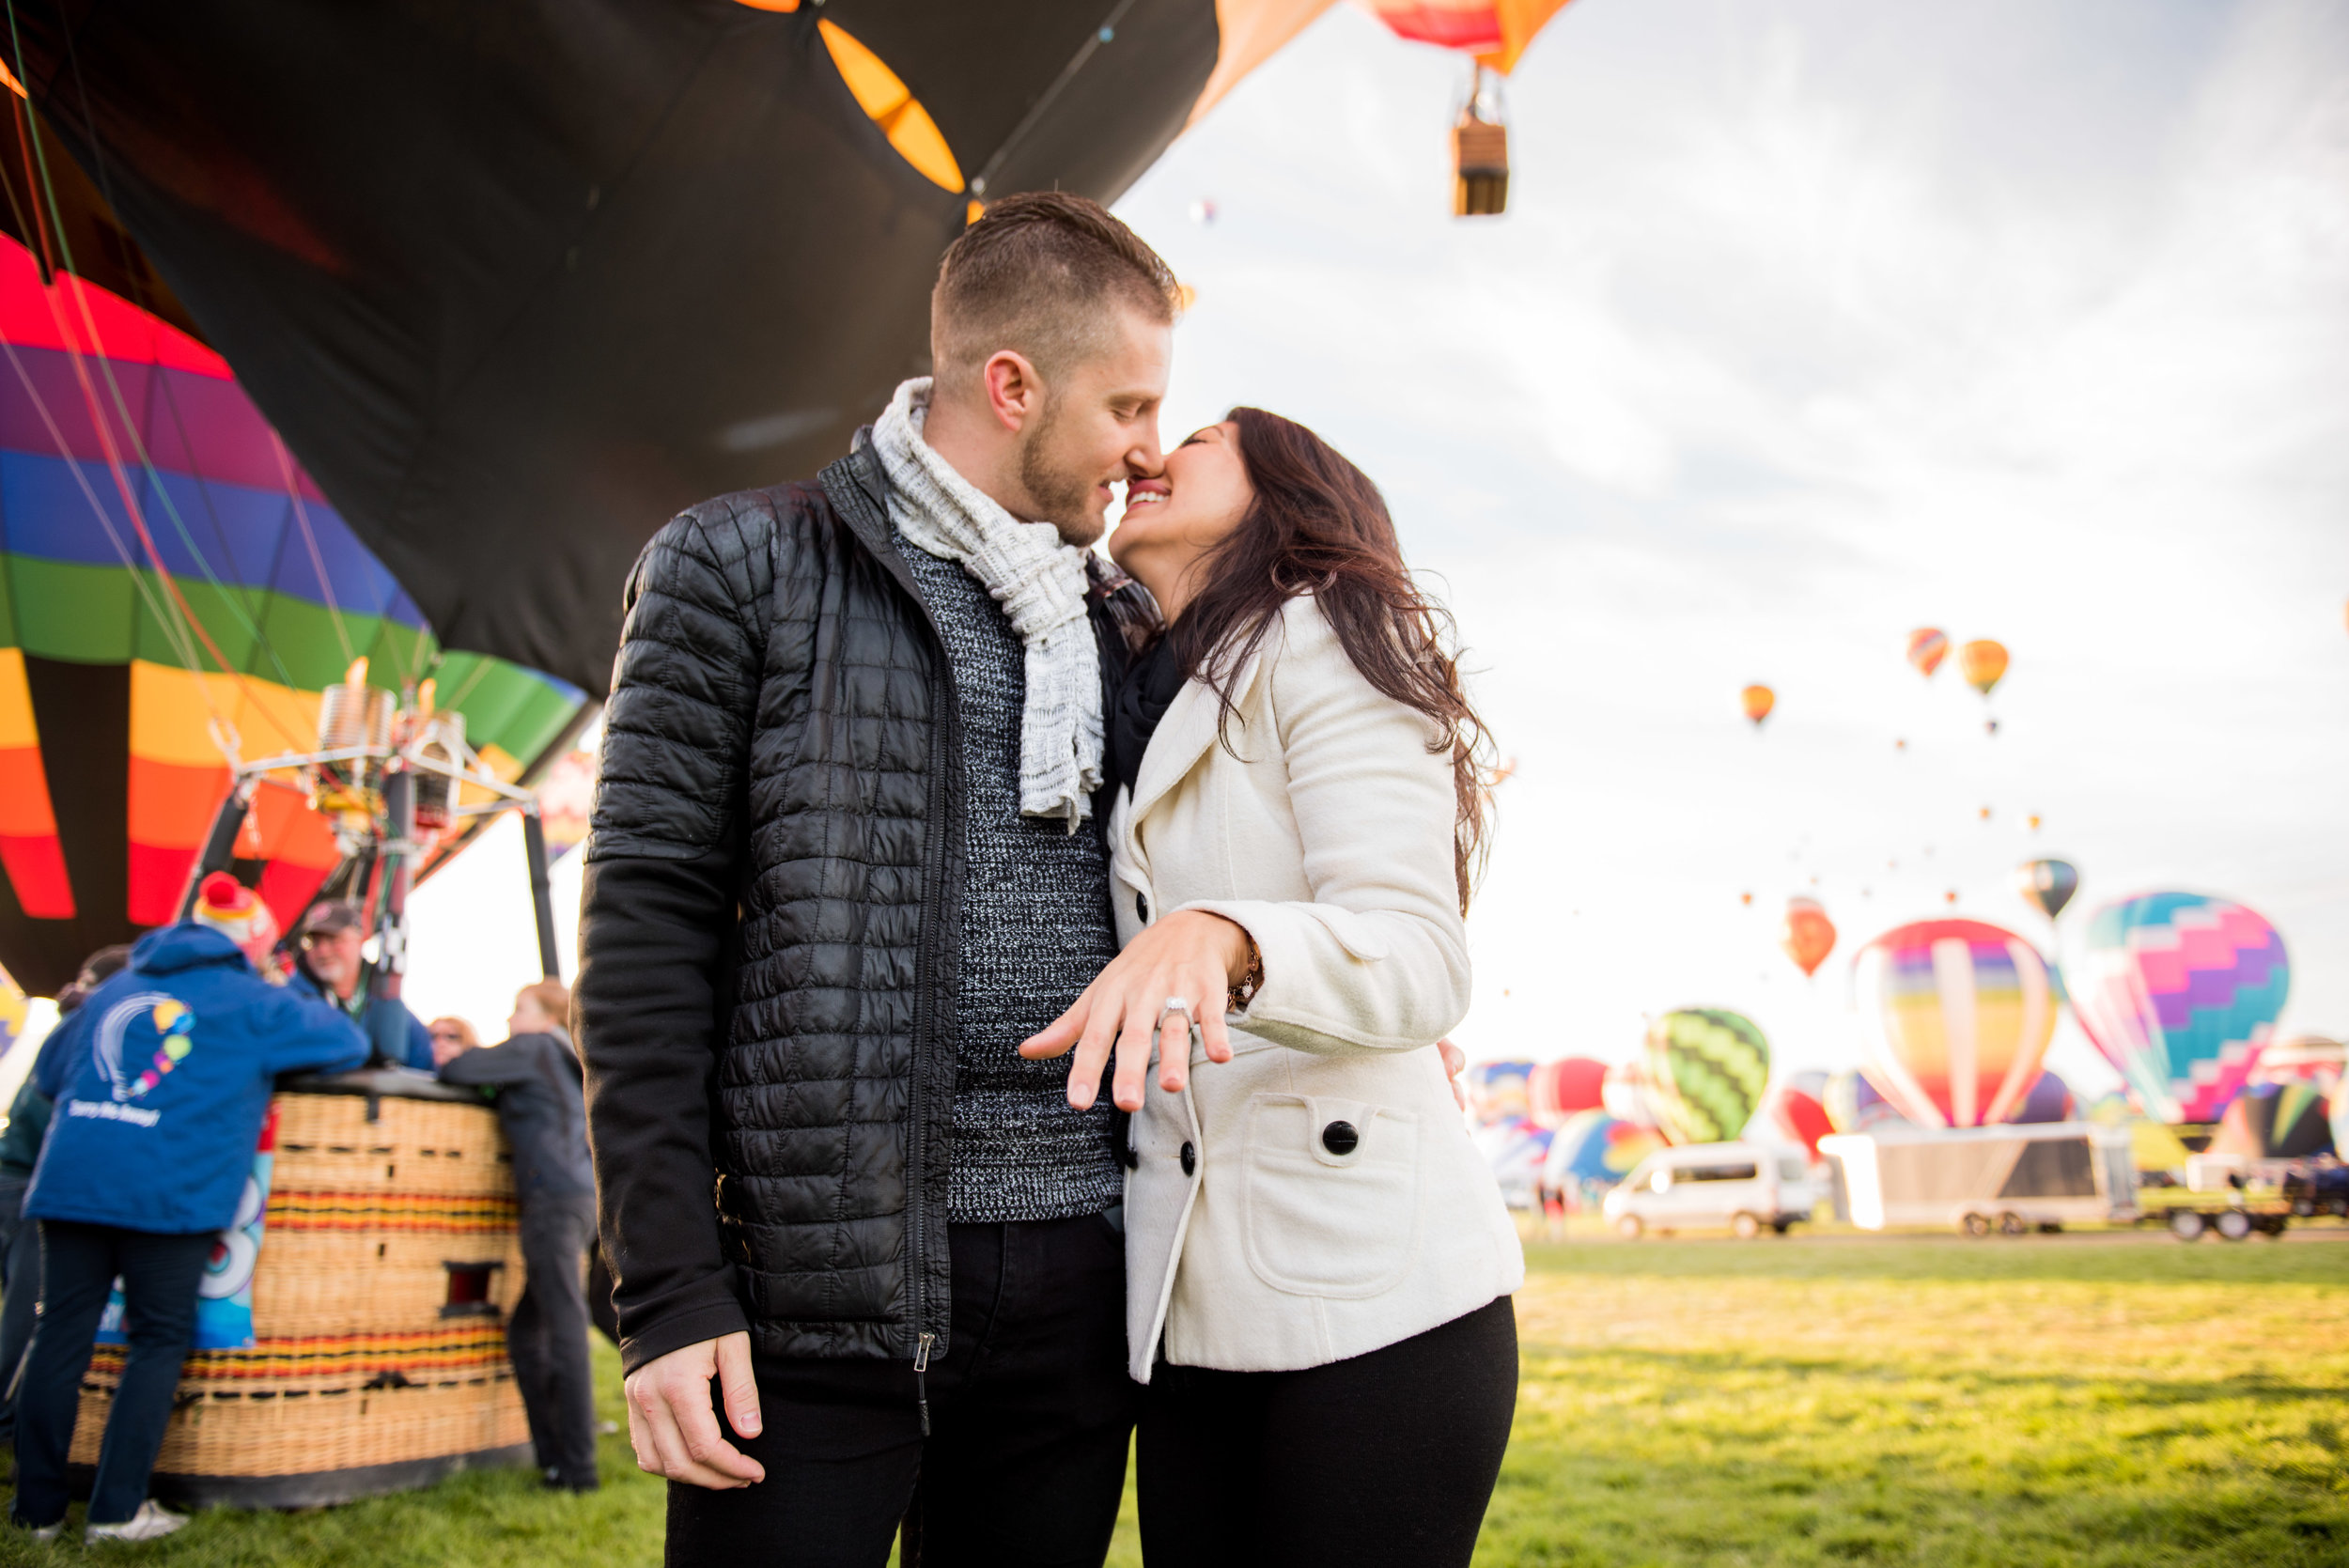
pixel 150 1523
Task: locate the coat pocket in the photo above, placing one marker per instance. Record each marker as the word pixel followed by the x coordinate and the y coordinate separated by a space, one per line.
pixel 1331 1195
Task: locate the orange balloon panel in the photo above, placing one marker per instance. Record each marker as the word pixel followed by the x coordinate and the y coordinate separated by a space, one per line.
pixel 1981 662
pixel 1758 701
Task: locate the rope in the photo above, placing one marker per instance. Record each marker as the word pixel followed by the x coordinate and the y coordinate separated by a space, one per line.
pixel 318 562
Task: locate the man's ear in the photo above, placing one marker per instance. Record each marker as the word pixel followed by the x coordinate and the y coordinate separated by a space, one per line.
pixel 1014 391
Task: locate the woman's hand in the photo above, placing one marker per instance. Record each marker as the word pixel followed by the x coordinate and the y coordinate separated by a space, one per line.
pixel 1190 953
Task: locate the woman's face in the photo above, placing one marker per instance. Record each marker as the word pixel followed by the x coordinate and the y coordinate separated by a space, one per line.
pixel 1173 521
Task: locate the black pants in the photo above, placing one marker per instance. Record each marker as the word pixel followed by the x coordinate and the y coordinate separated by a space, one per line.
pixel 1030 1412
pixel 1384 1460
pixel 20 1291
pixel 546 1339
pixel 78 1266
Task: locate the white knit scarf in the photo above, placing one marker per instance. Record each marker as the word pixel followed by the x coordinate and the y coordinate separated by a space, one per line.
pixel 1040 583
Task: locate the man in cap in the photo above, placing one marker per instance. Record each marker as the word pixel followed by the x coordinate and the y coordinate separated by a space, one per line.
pixel 333 970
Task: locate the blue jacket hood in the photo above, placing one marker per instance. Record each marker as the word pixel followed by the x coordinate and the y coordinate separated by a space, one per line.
pixel 171 949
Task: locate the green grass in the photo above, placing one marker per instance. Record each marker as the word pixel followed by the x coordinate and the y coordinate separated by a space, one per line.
pixel 1813 1401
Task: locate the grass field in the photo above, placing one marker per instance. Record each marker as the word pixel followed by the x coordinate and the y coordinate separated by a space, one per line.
pixel 1815 1401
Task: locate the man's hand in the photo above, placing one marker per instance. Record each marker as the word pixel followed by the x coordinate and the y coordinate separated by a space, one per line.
pixel 1455 1064
pixel 1190 953
pixel 674 1429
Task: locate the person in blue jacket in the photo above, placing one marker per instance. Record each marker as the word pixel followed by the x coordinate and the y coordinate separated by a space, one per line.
pixel 332 970
pixel 161 1088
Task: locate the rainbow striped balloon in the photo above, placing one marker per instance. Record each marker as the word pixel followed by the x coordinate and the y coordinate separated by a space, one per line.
pixel 2180 992
pixel 1954 1015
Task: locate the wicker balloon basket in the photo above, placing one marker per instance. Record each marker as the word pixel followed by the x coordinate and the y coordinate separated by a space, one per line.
pixel 387 1265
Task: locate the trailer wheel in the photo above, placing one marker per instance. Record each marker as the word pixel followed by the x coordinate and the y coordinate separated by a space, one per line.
pixel 1780 1225
pixel 2233 1224
pixel 1975 1224
pixel 2275 1224
pixel 2187 1224
pixel 1630 1227
pixel 2050 1227
pixel 2013 1224
pixel 1745 1226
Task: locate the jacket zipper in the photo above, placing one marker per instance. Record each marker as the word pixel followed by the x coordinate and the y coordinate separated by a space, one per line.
pixel 942 773
pixel 921 1386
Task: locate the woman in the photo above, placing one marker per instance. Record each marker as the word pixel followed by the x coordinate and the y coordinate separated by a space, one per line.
pixel 1318 1265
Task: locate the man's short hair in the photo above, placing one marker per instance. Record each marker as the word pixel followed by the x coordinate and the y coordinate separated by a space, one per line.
pixel 550 997
pixel 1037 273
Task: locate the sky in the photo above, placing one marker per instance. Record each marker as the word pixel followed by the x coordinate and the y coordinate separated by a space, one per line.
pixel 1809 323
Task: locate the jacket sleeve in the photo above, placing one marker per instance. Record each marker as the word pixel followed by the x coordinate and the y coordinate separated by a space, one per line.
pixel 62 1052
pixel 415 1040
pixel 1377 960
pixel 657 915
pixel 305 1035
pixel 514 1060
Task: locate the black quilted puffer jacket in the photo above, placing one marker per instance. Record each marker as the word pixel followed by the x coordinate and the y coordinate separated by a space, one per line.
pixel 769 934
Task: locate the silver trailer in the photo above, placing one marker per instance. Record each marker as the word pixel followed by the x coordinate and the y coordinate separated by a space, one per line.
pixel 2011 1179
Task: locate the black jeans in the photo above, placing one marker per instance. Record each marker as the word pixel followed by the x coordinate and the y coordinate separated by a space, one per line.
pixel 20 1291
pixel 547 1338
pixel 1384 1460
pixel 78 1266
pixel 1030 1413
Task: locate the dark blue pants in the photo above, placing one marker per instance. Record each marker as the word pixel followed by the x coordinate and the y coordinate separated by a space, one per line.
pixel 20 1291
pixel 78 1266
pixel 547 1338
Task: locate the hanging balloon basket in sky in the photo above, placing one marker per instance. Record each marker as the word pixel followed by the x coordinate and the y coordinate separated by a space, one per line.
pixel 1493 34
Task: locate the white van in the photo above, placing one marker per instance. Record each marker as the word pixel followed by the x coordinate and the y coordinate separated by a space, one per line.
pixel 1742 1186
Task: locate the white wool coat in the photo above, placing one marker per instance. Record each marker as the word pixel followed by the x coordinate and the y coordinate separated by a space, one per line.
pixel 1328 837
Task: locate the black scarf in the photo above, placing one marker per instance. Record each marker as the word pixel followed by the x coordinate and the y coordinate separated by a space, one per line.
pixel 1145 692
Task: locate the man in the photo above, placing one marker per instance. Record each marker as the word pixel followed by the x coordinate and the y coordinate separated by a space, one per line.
pixel 333 968
pixel 535 1080
pixel 161 1084
pixel 836 876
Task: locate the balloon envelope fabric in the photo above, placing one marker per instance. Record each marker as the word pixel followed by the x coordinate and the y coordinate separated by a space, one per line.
pixel 2180 992
pixel 2049 1100
pixel 1706 1069
pixel 1955 1016
pixel 1592 1147
pixel 2275 1121
pixel 1853 1105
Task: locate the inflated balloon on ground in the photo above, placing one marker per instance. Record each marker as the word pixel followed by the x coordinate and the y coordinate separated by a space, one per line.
pixel 1955 1016
pixel 1853 1105
pixel 1557 1089
pixel 1498 1091
pixel 1706 1069
pixel 1798 1110
pixel 2275 1121
pixel 1592 1147
pixel 2180 992
pixel 2051 1100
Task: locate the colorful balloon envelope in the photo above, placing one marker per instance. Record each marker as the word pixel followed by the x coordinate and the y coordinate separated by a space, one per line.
pixel 1806 936
pixel 2051 1100
pixel 2275 1121
pixel 1853 1105
pixel 1706 1069
pixel 1628 1094
pixel 1592 1147
pixel 1497 1091
pixel 1798 1110
pixel 1983 663
pixel 1955 1016
pixel 1758 701
pixel 1557 1089
pixel 1927 646
pixel 2046 886
pixel 2180 992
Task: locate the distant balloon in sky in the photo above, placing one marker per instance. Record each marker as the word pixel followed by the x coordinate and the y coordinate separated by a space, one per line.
pixel 1950 897
pixel 1986 814
pixel 1983 663
pixel 2180 992
pixel 2048 886
pixel 1758 701
pixel 1927 646
pixel 1806 935
pixel 1745 898
pixel 1706 1069
pixel 1954 1017
pixel 1900 745
pixel 1203 211
pixel 2033 820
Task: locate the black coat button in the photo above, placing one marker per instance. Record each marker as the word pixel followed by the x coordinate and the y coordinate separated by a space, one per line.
pixel 1190 1160
pixel 1340 1138
pixel 1142 909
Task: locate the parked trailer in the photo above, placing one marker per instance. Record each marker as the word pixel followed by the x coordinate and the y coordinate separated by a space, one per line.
pixel 2009 1179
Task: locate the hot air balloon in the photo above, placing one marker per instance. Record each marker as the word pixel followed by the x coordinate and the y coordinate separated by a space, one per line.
pixel 1497 1091
pixel 1628 1094
pixel 1706 1069
pixel 1495 33
pixel 1516 1149
pixel 2180 992
pixel 1757 701
pixel 1593 1147
pixel 1853 1105
pixel 2275 1121
pixel 2310 1058
pixel 1806 936
pixel 2046 886
pixel 1927 646
pixel 1798 1110
pixel 1557 1089
pixel 15 1010
pixel 1983 663
pixel 2051 1100
pixel 183 592
pixel 1955 1016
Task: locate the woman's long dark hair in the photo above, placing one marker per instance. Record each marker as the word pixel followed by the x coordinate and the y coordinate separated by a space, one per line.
pixel 1319 526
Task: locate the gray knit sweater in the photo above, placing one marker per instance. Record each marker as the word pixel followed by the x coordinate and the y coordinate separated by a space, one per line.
pixel 1035 930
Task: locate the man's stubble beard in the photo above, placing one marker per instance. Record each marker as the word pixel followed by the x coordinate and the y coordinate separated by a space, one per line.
pixel 1062 498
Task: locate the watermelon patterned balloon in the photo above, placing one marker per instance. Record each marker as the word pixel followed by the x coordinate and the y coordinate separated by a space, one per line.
pixel 1706 1069
pixel 2180 992
pixel 1955 1016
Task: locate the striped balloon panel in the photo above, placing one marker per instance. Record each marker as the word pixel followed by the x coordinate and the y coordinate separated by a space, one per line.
pixel 1955 1016
pixel 2180 992
pixel 284 593
pixel 1707 1069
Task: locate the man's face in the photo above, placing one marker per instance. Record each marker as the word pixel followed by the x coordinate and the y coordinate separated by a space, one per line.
pixel 1098 428
pixel 334 959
